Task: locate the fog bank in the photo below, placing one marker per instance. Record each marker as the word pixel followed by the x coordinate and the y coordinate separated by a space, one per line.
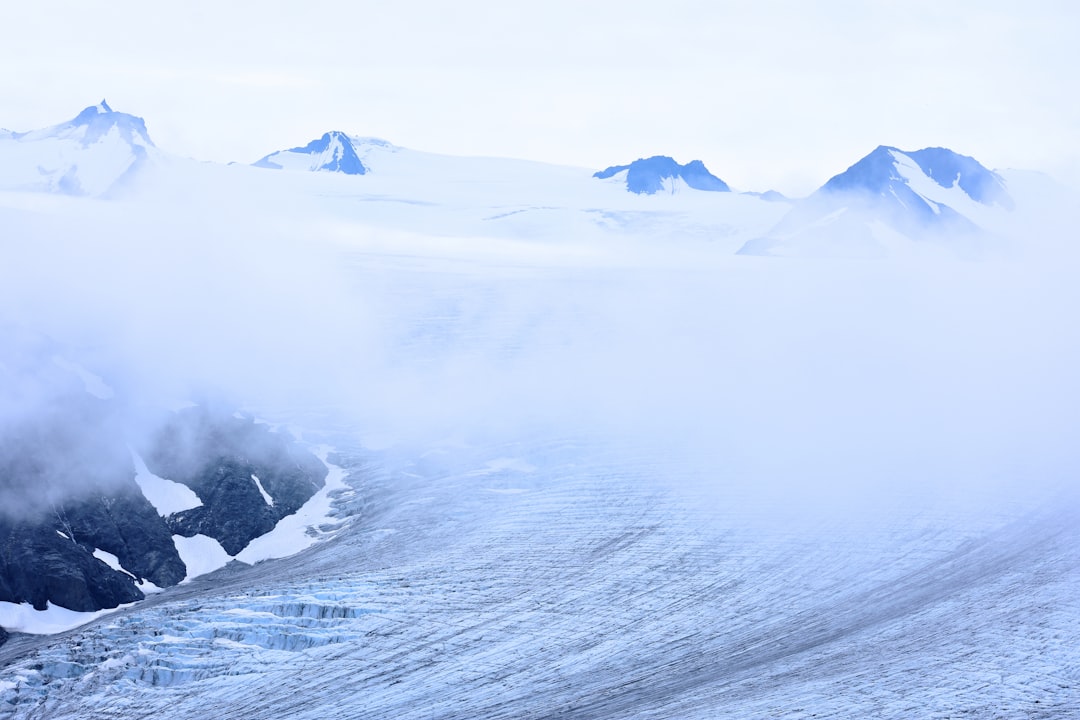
pixel 811 384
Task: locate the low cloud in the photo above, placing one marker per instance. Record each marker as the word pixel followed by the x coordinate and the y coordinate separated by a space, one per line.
pixel 808 384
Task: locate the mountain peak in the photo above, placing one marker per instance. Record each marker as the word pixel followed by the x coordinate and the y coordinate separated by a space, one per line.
pixel 647 176
pixel 88 114
pixel 933 192
pixel 888 170
pixel 94 152
pixel 333 152
pixel 872 173
pixel 100 119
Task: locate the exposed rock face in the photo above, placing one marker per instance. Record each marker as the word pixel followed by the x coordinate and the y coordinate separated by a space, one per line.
pixel 124 523
pixel 333 152
pixel 225 460
pixel 68 490
pixel 71 477
pixel 67 482
pixel 39 566
pixel 649 176
pixel 48 555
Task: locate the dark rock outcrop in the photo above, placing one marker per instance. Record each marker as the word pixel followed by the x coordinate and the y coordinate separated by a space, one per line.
pixel 47 550
pixel 67 481
pixel 124 523
pixel 333 152
pixel 68 487
pixel 38 566
pixel 647 175
pixel 224 460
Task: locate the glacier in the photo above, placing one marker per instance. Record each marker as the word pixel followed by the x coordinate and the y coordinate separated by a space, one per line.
pixel 591 591
pixel 585 460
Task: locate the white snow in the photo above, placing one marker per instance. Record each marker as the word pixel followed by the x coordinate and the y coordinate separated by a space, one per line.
pixel 293 533
pixel 303 528
pixel 59 158
pixel 201 555
pixel 166 496
pixel 22 617
pixel 262 491
pixel 114 562
pixel 111 560
pixel 954 197
pixel 50 163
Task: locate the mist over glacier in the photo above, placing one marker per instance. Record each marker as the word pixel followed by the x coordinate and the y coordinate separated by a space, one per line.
pixel 588 458
pixel 807 383
pixel 706 434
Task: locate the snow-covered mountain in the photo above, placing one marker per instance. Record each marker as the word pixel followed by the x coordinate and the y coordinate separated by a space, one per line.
pixel 98 151
pixel 924 182
pixel 882 202
pixel 888 196
pixel 521 199
pixel 649 176
pixel 333 152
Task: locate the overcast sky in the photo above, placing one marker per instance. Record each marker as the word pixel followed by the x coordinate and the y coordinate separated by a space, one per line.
pixel 769 93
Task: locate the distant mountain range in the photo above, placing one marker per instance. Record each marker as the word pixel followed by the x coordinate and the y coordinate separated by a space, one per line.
pixel 889 196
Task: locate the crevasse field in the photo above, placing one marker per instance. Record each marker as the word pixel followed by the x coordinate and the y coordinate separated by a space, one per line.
pixel 595 464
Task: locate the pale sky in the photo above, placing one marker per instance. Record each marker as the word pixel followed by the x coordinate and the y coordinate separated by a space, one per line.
pixel 777 94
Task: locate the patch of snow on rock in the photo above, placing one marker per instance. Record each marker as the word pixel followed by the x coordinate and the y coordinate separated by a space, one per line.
pixel 166 496
pixel 201 555
pixel 303 528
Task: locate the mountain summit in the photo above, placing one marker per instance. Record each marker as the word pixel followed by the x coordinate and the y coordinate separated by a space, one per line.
pixel 95 152
pixel 649 176
pixel 333 152
pixel 96 121
pixel 888 171
pixel 922 194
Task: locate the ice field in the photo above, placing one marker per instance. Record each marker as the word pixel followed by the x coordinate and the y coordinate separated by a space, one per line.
pixel 637 485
